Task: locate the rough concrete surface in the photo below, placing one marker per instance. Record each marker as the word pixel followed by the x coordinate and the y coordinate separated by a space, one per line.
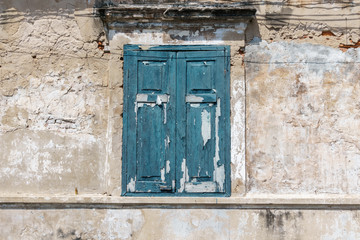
pixel 302 116
pixel 179 224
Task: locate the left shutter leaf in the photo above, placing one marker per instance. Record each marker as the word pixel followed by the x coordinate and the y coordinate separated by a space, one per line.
pixel 150 163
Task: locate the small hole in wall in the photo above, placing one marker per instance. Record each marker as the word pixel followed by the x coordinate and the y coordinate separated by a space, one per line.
pixel 121 58
pixel 242 51
pixel 327 33
pixel 33 56
pixel 100 45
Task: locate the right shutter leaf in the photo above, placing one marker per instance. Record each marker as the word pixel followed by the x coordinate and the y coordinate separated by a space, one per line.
pixel 201 89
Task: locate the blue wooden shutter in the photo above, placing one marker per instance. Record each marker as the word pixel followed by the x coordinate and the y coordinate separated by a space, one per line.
pixel 202 114
pixel 176 135
pixel 149 117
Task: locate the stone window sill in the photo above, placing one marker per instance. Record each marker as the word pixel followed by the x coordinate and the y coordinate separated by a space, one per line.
pixel 324 201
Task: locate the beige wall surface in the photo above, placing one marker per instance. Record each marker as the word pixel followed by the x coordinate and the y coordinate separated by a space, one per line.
pixel 164 224
pixel 295 71
pixel 54 99
pixel 302 118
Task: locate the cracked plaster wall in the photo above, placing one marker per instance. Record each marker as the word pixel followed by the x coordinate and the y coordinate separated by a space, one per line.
pixel 53 99
pixel 302 119
pixel 61 94
pixel 302 71
pixel 176 224
pixel 61 106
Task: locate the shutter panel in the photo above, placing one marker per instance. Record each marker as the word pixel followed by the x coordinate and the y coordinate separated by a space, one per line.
pixel 176 135
pixel 201 104
pixel 150 121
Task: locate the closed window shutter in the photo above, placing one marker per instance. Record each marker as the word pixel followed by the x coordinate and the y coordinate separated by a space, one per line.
pixel 176 121
pixel 150 121
pixel 200 92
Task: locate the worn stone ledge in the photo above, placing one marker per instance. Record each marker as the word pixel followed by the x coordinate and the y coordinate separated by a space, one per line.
pixel 184 12
pixel 247 202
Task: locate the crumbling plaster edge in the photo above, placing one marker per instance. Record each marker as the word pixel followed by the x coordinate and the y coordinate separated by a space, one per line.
pixel 250 201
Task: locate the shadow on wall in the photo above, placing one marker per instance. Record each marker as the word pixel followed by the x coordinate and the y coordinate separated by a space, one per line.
pixel 278 15
pixel 14 11
pixel 252 32
pixel 30 6
pixel 41 5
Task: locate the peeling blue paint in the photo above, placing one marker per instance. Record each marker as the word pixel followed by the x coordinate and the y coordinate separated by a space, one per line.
pixel 173 97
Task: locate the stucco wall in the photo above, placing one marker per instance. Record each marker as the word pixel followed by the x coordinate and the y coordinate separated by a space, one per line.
pixel 294 118
pixel 54 99
pixel 302 118
pixel 189 224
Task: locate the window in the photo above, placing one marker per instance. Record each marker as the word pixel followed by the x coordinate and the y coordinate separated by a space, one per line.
pixel 176 137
